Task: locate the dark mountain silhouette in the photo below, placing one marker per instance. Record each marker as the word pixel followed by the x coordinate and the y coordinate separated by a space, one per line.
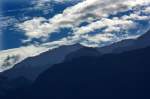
pixel 8 86
pixel 113 76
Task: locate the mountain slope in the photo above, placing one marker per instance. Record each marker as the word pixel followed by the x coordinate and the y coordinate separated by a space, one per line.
pixel 9 58
pixel 30 68
pixel 119 47
pixel 58 55
pixel 112 76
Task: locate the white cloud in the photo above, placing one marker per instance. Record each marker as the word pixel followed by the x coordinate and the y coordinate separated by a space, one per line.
pixel 105 22
pixel 11 57
pixel 35 27
pixel 96 13
pixel 147 10
pixel 8 58
pixel 1 40
pixel 42 4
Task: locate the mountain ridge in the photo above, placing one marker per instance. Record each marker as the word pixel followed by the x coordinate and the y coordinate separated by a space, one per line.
pixel 127 45
pixel 32 67
pixel 117 76
pixel 50 57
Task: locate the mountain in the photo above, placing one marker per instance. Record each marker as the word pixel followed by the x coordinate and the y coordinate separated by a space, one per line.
pixel 11 57
pixel 29 69
pixel 119 47
pixel 25 72
pixel 85 51
pixel 112 76
pixel 18 59
pixel 127 45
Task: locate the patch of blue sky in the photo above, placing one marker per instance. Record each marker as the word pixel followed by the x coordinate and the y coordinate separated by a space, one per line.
pixel 83 24
pixel 62 33
pixel 12 38
pixel 97 31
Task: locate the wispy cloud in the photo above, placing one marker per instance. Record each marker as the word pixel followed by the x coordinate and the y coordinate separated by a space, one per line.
pixel 47 5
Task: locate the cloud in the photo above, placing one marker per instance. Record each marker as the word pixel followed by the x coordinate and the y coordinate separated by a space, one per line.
pixel 147 10
pixel 1 40
pixel 97 13
pixel 44 4
pixel 107 21
pixel 8 58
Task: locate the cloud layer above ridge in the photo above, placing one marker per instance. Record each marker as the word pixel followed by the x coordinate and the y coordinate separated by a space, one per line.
pixel 93 23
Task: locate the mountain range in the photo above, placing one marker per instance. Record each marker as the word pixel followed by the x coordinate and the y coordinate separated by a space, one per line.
pixel 112 71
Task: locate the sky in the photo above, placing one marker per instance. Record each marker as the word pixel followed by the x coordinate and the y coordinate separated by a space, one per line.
pixel 16 11
pixel 92 23
pixel 31 27
pixel 1 37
